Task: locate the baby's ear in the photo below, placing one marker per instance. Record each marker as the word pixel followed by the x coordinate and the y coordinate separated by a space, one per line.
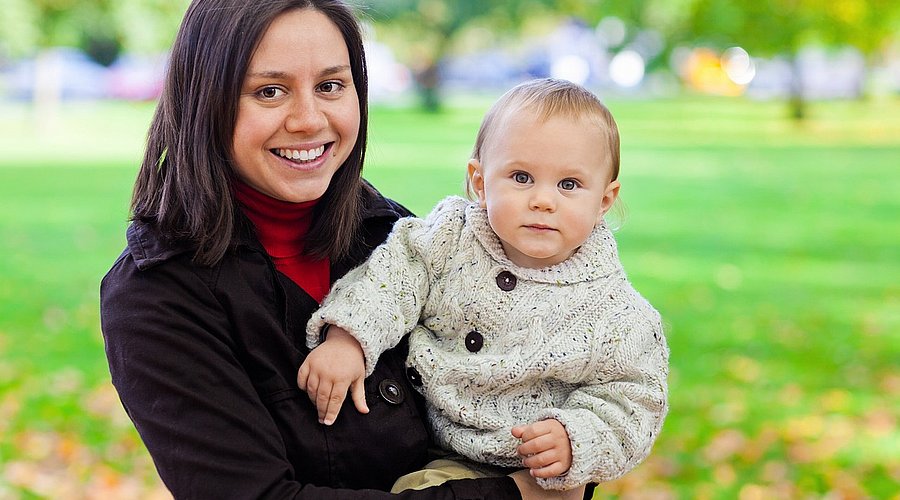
pixel 476 180
pixel 609 197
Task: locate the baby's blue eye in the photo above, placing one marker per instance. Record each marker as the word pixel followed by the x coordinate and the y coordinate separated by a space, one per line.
pixel 567 184
pixel 521 177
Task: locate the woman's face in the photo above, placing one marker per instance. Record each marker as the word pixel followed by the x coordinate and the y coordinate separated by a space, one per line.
pixel 298 112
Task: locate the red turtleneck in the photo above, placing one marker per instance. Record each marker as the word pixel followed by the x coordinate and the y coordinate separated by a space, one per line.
pixel 281 227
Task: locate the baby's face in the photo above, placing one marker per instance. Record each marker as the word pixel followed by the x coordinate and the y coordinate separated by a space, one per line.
pixel 545 185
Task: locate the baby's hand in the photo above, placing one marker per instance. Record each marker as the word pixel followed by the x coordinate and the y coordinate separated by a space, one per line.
pixel 545 447
pixel 329 370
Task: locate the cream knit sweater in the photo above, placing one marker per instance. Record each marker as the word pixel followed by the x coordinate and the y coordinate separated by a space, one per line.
pixel 574 341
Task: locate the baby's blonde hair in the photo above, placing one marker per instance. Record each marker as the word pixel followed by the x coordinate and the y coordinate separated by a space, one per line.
pixel 548 98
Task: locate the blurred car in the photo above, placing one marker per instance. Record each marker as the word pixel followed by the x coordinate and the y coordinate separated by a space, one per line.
pixel 77 76
pixel 136 78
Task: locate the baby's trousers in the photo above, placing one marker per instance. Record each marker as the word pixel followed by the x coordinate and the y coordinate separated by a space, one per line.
pixel 449 466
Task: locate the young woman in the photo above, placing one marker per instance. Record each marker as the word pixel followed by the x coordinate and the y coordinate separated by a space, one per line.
pixel 248 204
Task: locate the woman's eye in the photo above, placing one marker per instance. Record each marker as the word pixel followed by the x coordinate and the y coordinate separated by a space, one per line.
pixel 521 177
pixel 269 92
pixel 331 87
pixel 568 184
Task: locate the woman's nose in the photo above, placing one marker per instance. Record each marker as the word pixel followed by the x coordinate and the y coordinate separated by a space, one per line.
pixel 306 115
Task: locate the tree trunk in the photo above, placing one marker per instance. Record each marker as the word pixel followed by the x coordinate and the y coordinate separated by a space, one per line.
pixel 797 99
pixel 47 92
pixel 428 81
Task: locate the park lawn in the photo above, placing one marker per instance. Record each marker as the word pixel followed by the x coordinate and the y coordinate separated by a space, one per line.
pixel 771 249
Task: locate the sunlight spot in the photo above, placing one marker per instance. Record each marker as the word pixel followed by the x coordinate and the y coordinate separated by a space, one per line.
pixel 890 383
pixel 790 395
pixel 572 68
pixel 880 423
pixel 775 471
pixel 55 318
pixel 65 381
pixel 729 277
pixel 738 65
pixel 724 474
pixel 754 492
pixel 724 445
pixel 835 400
pixel 627 68
pixel 744 369
pixel 805 427
pixel 728 412
pixel 612 30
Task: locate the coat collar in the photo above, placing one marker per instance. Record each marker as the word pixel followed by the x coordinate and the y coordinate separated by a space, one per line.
pixel 149 248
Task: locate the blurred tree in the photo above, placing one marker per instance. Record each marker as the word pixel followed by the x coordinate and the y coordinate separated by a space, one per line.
pixel 783 27
pixel 431 28
pixel 426 31
pixel 100 28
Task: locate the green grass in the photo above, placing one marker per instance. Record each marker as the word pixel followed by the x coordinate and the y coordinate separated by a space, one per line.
pixel 772 250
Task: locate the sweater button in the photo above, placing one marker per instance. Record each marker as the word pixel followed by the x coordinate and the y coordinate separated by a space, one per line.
pixel 506 281
pixel 474 341
pixel 413 375
pixel 391 391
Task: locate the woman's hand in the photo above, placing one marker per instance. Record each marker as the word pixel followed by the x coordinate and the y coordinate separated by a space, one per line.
pixel 330 369
pixel 530 490
pixel 545 447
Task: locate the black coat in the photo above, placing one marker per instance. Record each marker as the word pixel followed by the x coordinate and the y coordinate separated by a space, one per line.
pixel 205 362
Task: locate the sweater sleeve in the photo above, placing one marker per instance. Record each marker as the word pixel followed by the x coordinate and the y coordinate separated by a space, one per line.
pixel 381 300
pixel 614 418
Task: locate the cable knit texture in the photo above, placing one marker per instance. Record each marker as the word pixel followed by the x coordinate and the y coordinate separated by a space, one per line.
pixel 574 341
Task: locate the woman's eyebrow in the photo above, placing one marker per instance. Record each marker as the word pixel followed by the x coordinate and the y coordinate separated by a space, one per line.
pixel 334 69
pixel 281 75
pixel 277 75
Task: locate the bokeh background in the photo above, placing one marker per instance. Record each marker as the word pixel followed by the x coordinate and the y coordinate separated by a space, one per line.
pixel 761 199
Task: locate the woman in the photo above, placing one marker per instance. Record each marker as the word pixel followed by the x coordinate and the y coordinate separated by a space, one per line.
pixel 248 204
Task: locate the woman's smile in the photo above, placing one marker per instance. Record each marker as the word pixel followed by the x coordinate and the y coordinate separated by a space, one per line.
pixel 304 158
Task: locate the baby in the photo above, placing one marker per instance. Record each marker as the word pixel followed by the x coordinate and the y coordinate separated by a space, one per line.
pixel 530 345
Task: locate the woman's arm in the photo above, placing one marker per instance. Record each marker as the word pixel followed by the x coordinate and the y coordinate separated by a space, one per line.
pixel 183 382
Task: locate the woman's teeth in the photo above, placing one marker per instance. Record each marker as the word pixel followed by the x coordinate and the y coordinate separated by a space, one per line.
pixel 302 154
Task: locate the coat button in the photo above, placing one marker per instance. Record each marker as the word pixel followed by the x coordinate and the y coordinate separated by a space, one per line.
pixel 413 375
pixel 474 341
pixel 506 281
pixel 391 391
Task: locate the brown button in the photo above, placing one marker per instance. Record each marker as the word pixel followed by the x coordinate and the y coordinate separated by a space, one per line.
pixel 506 281
pixel 474 341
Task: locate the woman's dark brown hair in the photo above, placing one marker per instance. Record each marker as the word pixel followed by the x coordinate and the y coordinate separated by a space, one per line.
pixel 184 184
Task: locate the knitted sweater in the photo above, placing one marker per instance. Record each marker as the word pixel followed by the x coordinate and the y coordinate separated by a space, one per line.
pixel 494 345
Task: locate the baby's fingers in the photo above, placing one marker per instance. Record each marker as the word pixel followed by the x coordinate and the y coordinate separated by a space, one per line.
pixel 329 401
pixel 545 464
pixel 358 393
pixel 303 375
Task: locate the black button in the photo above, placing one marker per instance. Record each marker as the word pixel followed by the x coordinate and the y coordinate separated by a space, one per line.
pixel 474 341
pixel 506 281
pixel 413 375
pixel 391 391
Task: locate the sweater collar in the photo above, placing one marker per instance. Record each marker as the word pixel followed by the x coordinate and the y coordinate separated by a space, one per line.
pixel 598 257
pixel 280 225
